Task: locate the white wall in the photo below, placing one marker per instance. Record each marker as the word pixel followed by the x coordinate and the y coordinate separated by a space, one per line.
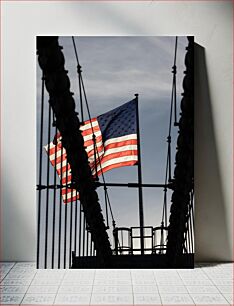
pixel 210 22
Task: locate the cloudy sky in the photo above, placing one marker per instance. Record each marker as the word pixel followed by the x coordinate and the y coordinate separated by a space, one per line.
pixel 114 69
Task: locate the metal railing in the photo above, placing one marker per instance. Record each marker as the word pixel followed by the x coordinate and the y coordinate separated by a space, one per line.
pixel 125 240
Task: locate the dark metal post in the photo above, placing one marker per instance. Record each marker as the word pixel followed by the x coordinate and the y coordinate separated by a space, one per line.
pixel 76 216
pixel 115 234
pixel 141 212
pixel 60 214
pixel 54 200
pixel 81 101
pixel 47 192
pixel 80 231
pixel 40 172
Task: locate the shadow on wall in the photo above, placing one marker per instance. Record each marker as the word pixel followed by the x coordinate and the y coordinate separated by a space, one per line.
pixel 211 232
pixel 18 232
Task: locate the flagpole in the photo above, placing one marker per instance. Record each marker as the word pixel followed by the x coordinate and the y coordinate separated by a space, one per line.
pixel 141 212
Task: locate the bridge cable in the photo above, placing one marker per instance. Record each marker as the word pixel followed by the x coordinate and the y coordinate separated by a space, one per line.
pixel 82 88
pixel 40 169
pixel 168 176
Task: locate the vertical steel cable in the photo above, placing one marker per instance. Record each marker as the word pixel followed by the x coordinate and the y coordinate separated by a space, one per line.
pixel 65 223
pixel 191 220
pixel 168 176
pixel 71 221
pixel 82 88
pixel 54 200
pixel 174 82
pixel 169 158
pixel 106 206
pixel 84 234
pixel 164 213
pixel 87 242
pixel 80 231
pixel 76 216
pixel 139 171
pixel 79 79
pixel 188 236
pixel 40 172
pixel 91 244
pixel 47 191
pixel 47 50
pixel 60 212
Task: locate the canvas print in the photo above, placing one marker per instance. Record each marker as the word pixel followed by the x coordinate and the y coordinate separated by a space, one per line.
pixel 115 152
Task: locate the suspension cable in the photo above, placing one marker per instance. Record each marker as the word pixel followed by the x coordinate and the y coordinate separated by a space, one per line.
pixel 92 129
pixel 40 170
pixel 168 176
pixel 174 83
pixel 96 150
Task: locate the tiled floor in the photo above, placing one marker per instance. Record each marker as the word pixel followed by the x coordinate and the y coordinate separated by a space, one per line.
pixel 207 284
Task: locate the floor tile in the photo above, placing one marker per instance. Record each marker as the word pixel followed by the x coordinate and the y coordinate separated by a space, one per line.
pixel 4 270
pixel 178 299
pixel 13 289
pixel 16 282
pixel 222 282
pixel 163 289
pixel 72 299
pixel 229 297
pixel 197 282
pixel 113 271
pixel 164 272
pixel 3 275
pixel 144 274
pixel 4 264
pixel 75 289
pixel 209 299
pixel 145 289
pixel 49 273
pixel 202 289
pixel 26 265
pixel 77 282
pixel 147 299
pixel 143 282
pixel 112 289
pixel 113 274
pixel 109 277
pixel 207 284
pixel 78 276
pixel 112 282
pixel 11 299
pixel 28 275
pixel 111 299
pixel 39 299
pixel 144 278
pixel 166 275
pixel 196 277
pixel 169 282
pixel 49 276
pixel 22 270
pixel 223 276
pixel 84 271
pixel 43 289
pixel 47 281
pixel 225 289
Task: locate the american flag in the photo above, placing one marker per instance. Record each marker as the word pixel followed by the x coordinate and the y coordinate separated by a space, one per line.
pixel 116 145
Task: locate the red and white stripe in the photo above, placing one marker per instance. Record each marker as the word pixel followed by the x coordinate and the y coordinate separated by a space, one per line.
pixel 114 153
